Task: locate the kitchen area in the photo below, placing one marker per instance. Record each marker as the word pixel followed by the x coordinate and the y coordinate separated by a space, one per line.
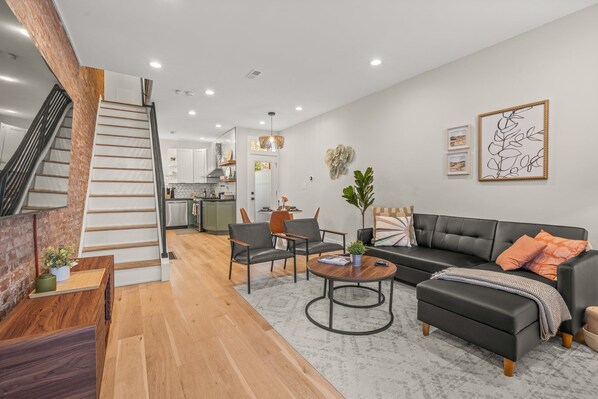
pixel 201 187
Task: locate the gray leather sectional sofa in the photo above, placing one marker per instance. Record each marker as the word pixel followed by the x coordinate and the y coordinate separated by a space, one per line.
pixel 501 322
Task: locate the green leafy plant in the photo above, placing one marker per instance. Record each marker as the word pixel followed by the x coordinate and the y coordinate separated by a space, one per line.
pixel 56 258
pixel 356 248
pixel 362 194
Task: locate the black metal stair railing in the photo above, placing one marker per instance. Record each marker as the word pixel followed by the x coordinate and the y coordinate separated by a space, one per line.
pixel 15 176
pixel 159 172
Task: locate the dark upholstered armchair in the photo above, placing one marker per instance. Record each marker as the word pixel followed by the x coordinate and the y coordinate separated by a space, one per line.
pixel 253 243
pixel 309 238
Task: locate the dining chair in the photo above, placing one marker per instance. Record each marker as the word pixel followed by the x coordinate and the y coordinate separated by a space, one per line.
pixel 244 216
pixel 311 238
pixel 277 219
pixel 317 213
pixel 252 243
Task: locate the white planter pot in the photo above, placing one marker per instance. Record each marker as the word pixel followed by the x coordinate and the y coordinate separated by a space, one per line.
pixel 356 260
pixel 61 273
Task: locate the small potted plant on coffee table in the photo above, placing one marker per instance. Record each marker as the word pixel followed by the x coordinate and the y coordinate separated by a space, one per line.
pixel 356 249
pixel 59 261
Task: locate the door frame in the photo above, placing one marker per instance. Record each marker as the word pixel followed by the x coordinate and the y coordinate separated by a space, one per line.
pixel 260 156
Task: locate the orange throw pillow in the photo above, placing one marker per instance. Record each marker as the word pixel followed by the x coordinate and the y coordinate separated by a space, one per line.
pixel 556 252
pixel 521 252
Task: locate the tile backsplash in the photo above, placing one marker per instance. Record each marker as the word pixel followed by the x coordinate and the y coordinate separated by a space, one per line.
pixel 185 190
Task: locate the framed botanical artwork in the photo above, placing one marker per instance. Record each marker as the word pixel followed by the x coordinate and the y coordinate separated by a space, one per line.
pixel 513 143
pixel 458 137
pixel 457 163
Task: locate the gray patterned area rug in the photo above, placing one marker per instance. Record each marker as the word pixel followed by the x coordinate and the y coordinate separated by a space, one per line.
pixel 400 362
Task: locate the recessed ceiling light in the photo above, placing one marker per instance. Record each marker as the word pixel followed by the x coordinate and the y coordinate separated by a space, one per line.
pixel 155 64
pixel 23 32
pixel 262 123
pixel 7 79
pixel 7 111
pixel 202 138
pixel 192 112
pixel 210 92
pixel 218 125
pixel 375 62
pixel 299 108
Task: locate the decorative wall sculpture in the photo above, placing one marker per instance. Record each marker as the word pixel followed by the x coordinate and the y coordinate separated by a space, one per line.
pixel 513 143
pixel 337 160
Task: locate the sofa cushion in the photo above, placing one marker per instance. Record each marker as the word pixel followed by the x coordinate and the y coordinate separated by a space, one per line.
pixel 424 228
pixel 509 232
pixel 499 309
pixel 557 251
pixel 465 235
pixel 429 260
pixel 493 267
pixel 518 254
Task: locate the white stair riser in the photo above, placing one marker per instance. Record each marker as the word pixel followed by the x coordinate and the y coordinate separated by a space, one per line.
pixel 119 219
pixel 123 162
pixel 123 151
pixel 122 141
pixel 125 131
pixel 68 122
pixel 65 132
pixel 62 156
pixel 58 169
pixel 123 114
pixel 103 203
pixel 45 199
pixel 120 236
pixel 123 106
pixel 51 183
pixel 137 275
pixel 64 144
pixel 121 188
pixel 123 121
pixel 115 174
pixel 128 254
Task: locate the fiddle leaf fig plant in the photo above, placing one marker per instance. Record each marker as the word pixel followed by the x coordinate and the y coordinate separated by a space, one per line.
pixel 361 195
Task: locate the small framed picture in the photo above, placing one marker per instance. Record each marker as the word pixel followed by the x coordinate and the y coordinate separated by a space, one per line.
pixel 458 137
pixel 457 163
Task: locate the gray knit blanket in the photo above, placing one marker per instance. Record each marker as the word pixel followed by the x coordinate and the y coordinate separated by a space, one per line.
pixel 551 306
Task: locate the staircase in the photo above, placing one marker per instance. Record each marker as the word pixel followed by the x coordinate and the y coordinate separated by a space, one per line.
pixel 50 184
pixel 121 216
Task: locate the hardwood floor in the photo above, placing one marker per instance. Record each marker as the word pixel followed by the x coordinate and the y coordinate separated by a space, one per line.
pixel 195 337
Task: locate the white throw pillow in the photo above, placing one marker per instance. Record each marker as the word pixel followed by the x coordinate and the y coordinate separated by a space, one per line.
pixel 392 231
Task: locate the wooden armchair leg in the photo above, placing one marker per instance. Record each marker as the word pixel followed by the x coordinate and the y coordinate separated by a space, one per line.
pixel 567 340
pixel 509 367
pixel 426 329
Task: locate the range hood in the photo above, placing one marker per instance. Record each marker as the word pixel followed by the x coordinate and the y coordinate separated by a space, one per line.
pixel 217 172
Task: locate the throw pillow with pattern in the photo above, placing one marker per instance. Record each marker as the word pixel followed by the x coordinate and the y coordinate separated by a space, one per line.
pixel 405 211
pixel 557 251
pixel 392 231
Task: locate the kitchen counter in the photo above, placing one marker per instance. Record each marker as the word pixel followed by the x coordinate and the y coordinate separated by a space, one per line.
pixel 214 199
pixel 217 214
pixel 179 199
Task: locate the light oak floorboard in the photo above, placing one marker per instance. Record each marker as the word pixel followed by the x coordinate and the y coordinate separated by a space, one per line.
pixel 196 337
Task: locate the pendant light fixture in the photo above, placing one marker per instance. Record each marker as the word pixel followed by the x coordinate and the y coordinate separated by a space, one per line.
pixel 271 142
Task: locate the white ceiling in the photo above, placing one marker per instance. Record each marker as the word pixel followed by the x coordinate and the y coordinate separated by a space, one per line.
pixel 312 53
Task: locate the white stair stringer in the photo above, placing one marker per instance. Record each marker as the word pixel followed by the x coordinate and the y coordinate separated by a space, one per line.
pixel 121 216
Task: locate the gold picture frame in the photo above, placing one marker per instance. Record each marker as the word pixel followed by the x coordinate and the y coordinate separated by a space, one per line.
pixel 512 145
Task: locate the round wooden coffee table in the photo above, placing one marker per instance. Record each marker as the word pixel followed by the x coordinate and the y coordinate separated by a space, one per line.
pixel 368 272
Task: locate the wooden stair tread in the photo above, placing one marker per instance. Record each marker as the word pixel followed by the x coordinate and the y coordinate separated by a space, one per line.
pixel 51 175
pixel 122 117
pixel 64 138
pixel 122 210
pixel 126 127
pixel 59 162
pixel 60 149
pixel 37 208
pixel 121 246
pixel 123 103
pixel 123 146
pixel 117 168
pixel 120 195
pixel 128 227
pixel 120 156
pixel 120 181
pixel 123 136
pixel 42 191
pixel 140 263
pixel 124 110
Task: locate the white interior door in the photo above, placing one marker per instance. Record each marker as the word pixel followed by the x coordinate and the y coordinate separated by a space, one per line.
pixel 262 185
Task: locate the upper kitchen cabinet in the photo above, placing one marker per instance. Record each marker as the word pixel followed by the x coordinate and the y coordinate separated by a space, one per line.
pixel 186 165
pixel 200 165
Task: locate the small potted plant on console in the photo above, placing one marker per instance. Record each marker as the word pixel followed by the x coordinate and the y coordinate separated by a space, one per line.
pixel 59 261
pixel 356 249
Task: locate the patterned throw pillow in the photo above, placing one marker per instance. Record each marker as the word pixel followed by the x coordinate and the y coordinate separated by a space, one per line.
pixel 557 251
pixel 392 231
pixel 406 211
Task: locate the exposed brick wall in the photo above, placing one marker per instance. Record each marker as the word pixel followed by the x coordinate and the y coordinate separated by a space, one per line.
pixel 84 86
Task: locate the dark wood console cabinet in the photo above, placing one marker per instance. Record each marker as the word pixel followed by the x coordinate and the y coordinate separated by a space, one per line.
pixel 54 347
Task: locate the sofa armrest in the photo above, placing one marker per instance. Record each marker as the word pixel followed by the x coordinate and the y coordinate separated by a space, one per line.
pixel 365 235
pixel 578 285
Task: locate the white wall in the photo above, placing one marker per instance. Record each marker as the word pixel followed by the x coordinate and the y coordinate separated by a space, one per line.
pixel 122 88
pixel 400 132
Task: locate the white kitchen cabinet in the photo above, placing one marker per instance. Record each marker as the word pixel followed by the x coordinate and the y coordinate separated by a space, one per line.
pixel 200 165
pixel 184 162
